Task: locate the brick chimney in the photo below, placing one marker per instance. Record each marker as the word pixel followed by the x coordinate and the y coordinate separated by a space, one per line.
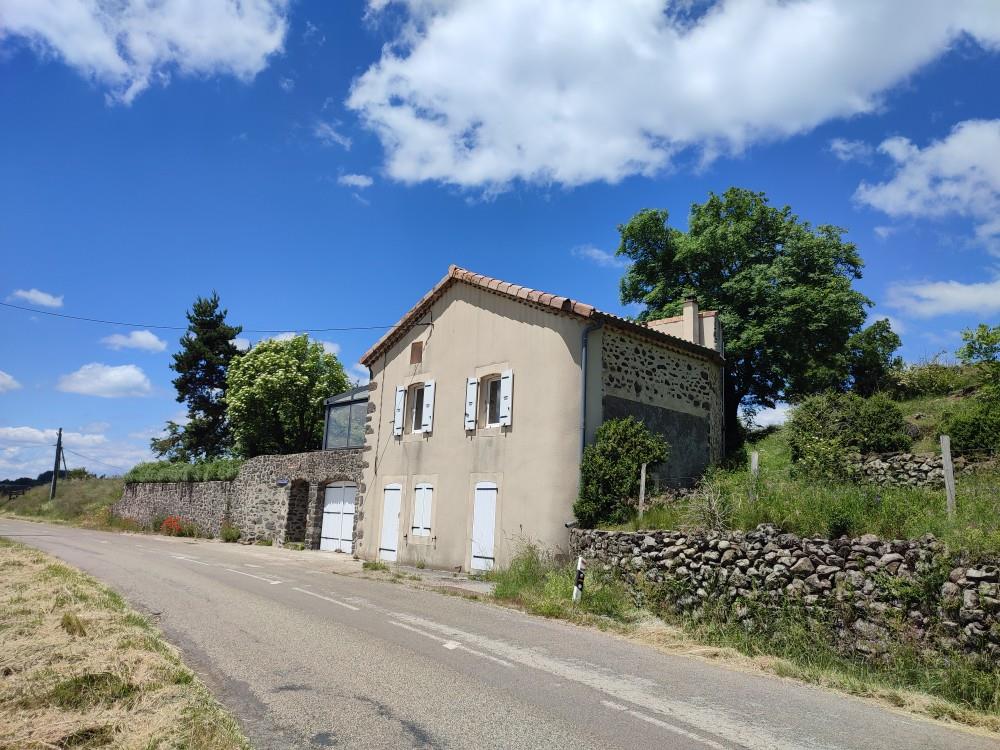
pixel 691 321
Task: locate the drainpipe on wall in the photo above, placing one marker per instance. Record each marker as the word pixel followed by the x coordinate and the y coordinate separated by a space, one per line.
pixel 585 338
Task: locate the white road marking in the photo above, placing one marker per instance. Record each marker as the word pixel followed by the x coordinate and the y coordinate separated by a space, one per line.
pixel 190 559
pixel 251 565
pixel 741 730
pixel 251 575
pixel 446 643
pixel 326 598
pixel 103 541
pixel 665 725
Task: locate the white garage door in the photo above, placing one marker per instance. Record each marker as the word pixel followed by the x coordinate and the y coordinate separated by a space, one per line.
pixel 337 534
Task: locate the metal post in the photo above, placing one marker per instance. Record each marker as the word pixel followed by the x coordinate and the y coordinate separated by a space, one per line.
pixel 754 474
pixel 949 474
pixel 581 570
pixel 55 468
pixel 642 489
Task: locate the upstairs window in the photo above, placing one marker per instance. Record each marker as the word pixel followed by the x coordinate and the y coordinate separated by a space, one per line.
pixel 416 398
pixel 491 405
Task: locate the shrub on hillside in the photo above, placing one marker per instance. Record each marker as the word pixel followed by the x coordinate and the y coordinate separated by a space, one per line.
pixel 929 378
pixel 609 472
pixel 974 427
pixel 824 429
pixel 222 469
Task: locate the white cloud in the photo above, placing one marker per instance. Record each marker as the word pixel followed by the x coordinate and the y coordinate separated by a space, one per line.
pixel 926 299
pixel 328 135
pixel 287 85
pixel 958 175
pixel 313 35
pixel 359 181
pixel 145 340
pixel 128 44
pixel 330 347
pixel 359 373
pixel 96 427
pixel 771 417
pixel 598 256
pixel 37 297
pixel 8 382
pixel 106 381
pixel 286 336
pixel 481 93
pixel 846 150
pixel 35 436
pixel 241 343
pixel 884 232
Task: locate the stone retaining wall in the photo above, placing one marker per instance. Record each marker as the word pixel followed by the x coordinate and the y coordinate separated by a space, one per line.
pixel 900 469
pixel 204 503
pixel 274 498
pixel 873 592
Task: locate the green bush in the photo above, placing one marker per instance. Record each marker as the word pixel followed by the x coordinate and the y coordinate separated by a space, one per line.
pixel 609 472
pixel 929 378
pixel 229 533
pixel 824 429
pixel 221 469
pixel 974 428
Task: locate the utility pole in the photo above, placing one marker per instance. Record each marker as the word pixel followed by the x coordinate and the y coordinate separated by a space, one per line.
pixel 55 468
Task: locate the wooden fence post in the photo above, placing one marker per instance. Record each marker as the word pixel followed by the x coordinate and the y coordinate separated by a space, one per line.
pixel 949 474
pixel 642 489
pixel 754 474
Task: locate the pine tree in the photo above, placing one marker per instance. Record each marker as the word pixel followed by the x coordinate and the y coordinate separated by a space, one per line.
pixel 201 365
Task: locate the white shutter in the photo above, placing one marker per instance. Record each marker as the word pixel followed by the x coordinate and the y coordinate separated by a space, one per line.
pixel 427 417
pixel 471 402
pixel 422 499
pixel 397 423
pixel 506 396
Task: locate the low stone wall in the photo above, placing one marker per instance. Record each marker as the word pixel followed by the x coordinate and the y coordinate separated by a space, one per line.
pixel 873 592
pixel 274 498
pixel 901 469
pixel 204 503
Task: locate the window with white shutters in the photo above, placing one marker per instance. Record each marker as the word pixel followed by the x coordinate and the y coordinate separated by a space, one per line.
pixel 423 497
pixel 491 401
pixel 427 413
pixel 416 408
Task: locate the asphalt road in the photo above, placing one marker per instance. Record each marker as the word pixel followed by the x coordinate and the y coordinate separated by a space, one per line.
pixel 308 658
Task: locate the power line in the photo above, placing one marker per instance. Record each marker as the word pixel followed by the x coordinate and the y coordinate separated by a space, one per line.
pixel 184 328
pixel 88 458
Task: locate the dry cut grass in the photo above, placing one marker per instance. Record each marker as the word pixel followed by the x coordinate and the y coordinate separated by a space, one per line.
pixel 79 669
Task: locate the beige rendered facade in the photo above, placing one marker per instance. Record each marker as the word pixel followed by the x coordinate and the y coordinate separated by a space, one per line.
pixel 479 409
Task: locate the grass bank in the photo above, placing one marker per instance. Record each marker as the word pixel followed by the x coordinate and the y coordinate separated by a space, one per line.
pixel 82 670
pixel 86 502
pixel 953 688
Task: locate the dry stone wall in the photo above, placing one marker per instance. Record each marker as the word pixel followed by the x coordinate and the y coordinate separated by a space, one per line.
pixel 204 503
pixel 902 469
pixel 273 498
pixel 874 593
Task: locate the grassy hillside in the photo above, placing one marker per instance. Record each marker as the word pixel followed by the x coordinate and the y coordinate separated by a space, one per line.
pixel 83 501
pixel 812 507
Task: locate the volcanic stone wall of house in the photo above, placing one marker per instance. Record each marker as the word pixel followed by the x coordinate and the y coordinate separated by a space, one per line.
pixel 874 593
pixel 275 498
pixel 204 503
pixel 675 394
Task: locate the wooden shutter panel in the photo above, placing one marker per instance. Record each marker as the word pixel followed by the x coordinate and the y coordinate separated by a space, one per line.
pixel 427 417
pixel 506 396
pixel 471 402
pixel 422 498
pixel 397 423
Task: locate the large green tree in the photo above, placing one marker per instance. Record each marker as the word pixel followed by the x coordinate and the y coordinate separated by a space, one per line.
pixel 275 396
pixel 207 350
pixel 783 290
pixel 871 357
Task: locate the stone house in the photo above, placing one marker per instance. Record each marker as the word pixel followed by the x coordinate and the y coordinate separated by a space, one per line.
pixel 482 398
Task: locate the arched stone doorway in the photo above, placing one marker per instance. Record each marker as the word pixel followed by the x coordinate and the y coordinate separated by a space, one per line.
pixel 298 512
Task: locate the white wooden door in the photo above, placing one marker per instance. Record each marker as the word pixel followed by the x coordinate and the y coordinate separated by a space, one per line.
pixel 484 516
pixel 337 534
pixel 390 522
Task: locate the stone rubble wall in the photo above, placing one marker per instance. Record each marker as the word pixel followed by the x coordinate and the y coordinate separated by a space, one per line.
pixel 874 592
pixel 903 469
pixel 204 503
pixel 257 502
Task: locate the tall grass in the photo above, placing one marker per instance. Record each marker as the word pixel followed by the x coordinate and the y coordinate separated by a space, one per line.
pixel 537 582
pixel 77 500
pixel 222 469
pixel 808 507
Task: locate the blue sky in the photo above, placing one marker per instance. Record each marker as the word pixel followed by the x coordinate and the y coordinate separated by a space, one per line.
pixel 320 165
